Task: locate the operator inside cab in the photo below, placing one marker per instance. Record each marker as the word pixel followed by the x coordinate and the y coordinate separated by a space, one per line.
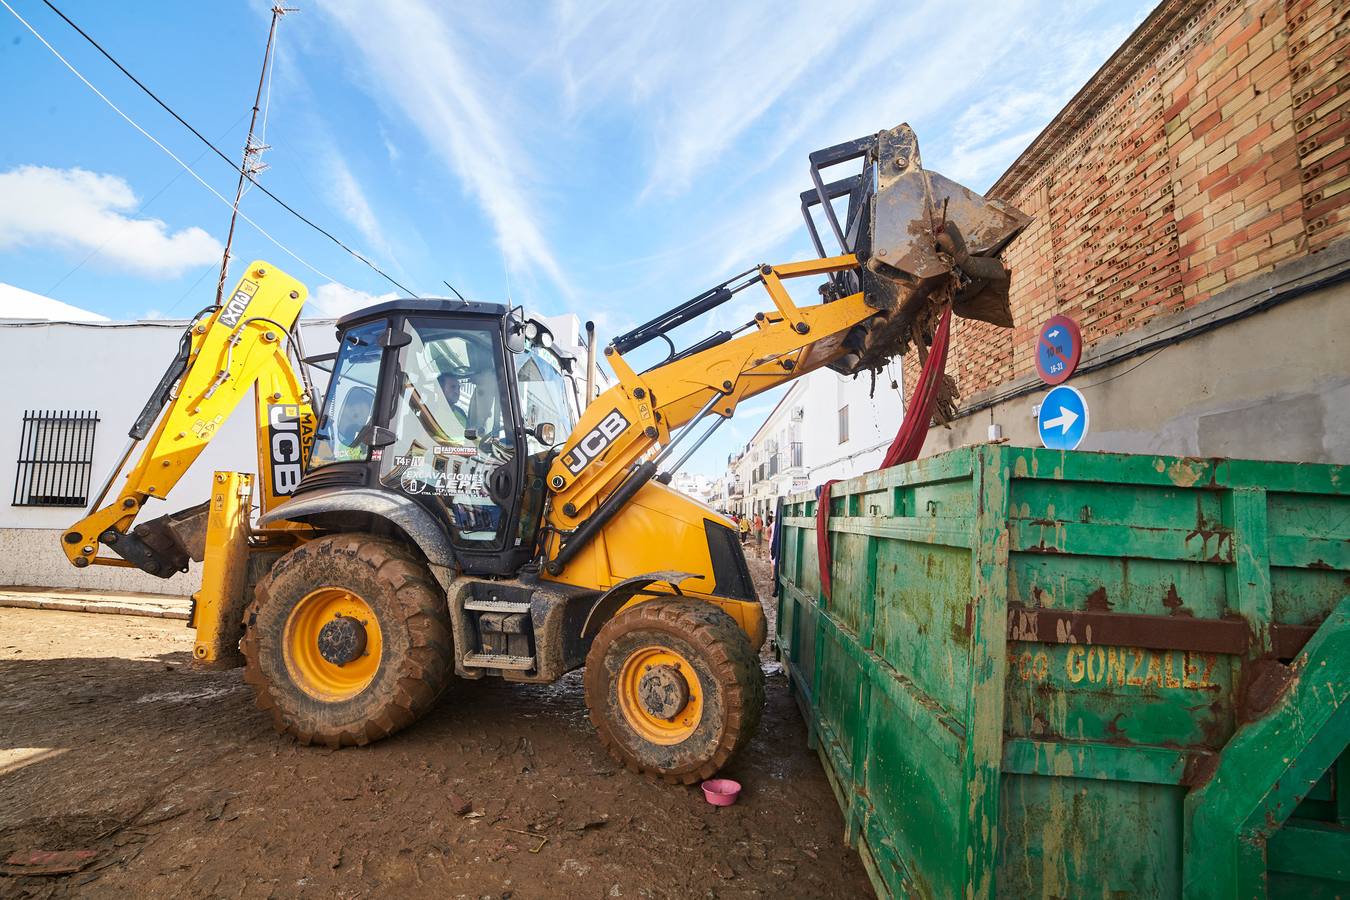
pixel 475 406
pixel 459 418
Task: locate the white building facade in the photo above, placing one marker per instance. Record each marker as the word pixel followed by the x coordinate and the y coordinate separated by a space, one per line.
pixel 826 426
pixel 74 389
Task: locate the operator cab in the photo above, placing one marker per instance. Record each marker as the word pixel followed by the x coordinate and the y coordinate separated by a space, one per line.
pixel 455 407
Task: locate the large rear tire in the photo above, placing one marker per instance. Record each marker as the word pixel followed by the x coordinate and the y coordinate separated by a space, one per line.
pixel 674 689
pixel 347 640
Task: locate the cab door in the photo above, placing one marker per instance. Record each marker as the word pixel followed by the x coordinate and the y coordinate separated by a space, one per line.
pixel 454 434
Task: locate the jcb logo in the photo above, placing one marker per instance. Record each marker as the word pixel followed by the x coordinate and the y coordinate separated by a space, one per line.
pixel 289 437
pixel 595 442
pixel 235 306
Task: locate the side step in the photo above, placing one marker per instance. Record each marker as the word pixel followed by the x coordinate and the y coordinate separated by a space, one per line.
pixel 501 606
pixel 499 661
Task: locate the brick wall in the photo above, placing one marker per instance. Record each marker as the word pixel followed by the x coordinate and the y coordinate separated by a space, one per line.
pixel 1210 148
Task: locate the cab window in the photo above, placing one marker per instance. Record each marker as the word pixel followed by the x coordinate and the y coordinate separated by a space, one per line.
pixel 350 402
pixel 545 397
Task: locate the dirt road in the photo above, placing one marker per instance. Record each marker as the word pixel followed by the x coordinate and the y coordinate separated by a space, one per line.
pixel 108 741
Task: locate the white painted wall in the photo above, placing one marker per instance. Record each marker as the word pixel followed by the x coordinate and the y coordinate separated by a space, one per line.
pixel 111 367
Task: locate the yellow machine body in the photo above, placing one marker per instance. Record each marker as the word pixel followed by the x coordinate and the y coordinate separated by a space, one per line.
pixel 661 529
pixel 242 347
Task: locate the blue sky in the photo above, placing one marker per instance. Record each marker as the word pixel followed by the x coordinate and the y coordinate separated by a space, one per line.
pixel 609 159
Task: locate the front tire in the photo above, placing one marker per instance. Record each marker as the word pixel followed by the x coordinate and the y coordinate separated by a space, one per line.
pixel 347 641
pixel 674 689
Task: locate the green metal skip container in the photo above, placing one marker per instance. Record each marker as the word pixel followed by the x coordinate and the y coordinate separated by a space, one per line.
pixel 1049 674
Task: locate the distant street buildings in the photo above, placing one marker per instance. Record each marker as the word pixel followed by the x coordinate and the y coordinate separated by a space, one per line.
pixel 826 426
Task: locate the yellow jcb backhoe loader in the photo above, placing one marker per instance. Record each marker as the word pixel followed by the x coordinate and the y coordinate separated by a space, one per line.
pixel 429 521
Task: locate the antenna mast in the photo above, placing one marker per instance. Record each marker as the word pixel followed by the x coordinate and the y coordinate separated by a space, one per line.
pixel 252 164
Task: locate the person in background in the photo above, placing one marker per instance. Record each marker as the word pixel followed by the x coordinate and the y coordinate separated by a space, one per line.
pixel 744 525
pixel 759 535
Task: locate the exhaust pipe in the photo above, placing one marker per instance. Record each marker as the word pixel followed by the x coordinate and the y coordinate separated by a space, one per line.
pixel 590 363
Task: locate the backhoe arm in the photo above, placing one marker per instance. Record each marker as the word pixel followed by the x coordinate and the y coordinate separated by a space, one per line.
pixel 225 352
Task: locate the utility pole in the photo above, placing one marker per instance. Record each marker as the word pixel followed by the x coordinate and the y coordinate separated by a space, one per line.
pixel 252 163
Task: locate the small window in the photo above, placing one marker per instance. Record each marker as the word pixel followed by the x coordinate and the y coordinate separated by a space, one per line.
pixel 351 397
pixel 843 424
pixel 56 454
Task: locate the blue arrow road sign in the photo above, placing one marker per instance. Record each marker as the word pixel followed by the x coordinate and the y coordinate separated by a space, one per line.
pixel 1063 420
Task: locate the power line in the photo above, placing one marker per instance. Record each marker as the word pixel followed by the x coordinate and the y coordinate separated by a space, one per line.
pixel 240 169
pixel 1148 358
pixel 132 122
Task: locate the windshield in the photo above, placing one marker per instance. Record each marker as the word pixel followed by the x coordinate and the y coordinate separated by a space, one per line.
pixel 350 402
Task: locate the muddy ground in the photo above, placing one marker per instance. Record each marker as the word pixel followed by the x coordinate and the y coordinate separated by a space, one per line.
pixel 109 742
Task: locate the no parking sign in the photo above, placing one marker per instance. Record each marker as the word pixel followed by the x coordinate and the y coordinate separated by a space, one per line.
pixel 1058 349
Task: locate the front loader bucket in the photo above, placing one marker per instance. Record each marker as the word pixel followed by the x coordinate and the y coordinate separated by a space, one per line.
pixel 919 236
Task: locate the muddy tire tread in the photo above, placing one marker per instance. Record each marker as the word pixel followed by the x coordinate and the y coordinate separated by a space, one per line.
pixel 734 663
pixel 427 667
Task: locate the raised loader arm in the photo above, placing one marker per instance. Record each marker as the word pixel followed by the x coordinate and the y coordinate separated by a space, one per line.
pixel 224 353
pixel 911 241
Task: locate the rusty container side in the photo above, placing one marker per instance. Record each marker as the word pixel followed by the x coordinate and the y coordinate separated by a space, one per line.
pixel 1066 674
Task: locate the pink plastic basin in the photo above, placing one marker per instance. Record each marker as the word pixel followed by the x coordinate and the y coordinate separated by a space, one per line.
pixel 721 791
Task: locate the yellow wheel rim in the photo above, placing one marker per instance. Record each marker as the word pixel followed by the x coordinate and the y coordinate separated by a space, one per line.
pixel 317 676
pixel 650 726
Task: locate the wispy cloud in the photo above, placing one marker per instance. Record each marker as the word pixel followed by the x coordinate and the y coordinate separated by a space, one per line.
pixel 705 75
pixel 725 151
pixel 418 65
pixel 976 90
pixel 81 211
pixel 351 199
pixel 332 300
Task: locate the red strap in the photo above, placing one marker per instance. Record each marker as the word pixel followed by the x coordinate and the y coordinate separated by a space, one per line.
pixel 908 440
pixel 823 533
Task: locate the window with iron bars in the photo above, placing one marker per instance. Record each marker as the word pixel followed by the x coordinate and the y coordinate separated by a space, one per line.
pixel 56 456
pixel 843 424
pixel 795 454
